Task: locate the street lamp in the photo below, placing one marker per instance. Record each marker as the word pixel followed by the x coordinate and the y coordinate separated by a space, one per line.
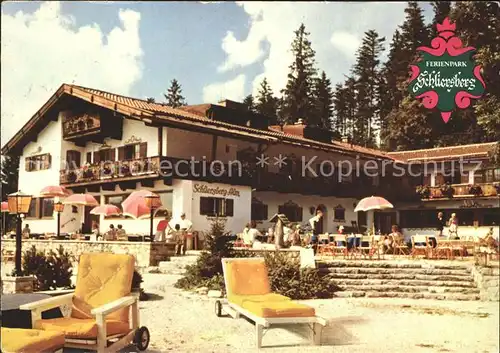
pixel 58 207
pixel 19 203
pixel 152 202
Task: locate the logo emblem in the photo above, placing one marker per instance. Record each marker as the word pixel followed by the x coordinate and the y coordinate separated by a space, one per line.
pixel 446 76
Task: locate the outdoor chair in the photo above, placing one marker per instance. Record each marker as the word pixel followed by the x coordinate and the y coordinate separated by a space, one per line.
pixel 249 294
pixel 368 247
pixel 457 246
pixel 339 245
pixel 417 247
pixel 19 340
pixel 443 249
pixel 104 315
pixel 400 247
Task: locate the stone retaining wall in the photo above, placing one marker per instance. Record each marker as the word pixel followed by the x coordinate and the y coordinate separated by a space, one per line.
pixel 488 281
pixel 146 253
pixel 293 253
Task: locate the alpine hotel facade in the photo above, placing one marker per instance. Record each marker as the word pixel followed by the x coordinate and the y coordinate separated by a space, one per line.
pixel 109 145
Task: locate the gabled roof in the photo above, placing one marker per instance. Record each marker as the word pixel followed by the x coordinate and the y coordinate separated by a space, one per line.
pixel 477 150
pixel 193 116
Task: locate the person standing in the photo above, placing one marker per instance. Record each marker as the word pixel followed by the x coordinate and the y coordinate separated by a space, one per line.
pixel 185 224
pixel 441 223
pixel 453 224
pixel 161 229
pixel 316 228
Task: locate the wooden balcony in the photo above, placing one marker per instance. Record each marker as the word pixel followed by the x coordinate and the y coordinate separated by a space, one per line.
pixel 463 191
pixel 81 125
pixel 111 171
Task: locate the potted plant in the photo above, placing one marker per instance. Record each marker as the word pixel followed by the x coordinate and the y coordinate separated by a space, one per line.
pixel 475 190
pixel 90 123
pixel 497 187
pixel 424 191
pixel 447 190
pixel 71 176
pixel 81 125
pixel 125 170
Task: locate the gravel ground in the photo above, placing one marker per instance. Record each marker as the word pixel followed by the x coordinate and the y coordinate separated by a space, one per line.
pixel 183 322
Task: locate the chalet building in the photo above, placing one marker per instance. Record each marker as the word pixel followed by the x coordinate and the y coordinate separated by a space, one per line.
pixel 207 160
pixel 458 179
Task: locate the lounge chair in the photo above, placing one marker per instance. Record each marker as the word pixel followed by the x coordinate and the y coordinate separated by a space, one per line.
pixel 104 316
pixel 19 340
pixel 249 294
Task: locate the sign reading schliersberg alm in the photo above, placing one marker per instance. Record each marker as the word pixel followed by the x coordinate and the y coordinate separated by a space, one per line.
pixel 446 76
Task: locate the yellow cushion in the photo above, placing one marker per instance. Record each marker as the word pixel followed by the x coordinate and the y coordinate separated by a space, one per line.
pixel 81 328
pixel 247 278
pixel 270 297
pixel 102 278
pixel 30 341
pixel 279 308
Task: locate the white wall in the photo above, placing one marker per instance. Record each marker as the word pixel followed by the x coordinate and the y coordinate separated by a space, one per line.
pixel 463 231
pixel 188 201
pixel 274 199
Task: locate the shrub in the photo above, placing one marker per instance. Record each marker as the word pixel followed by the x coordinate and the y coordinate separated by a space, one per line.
pixel 447 190
pixel 424 191
pixel 51 271
pixel 285 274
pixel 475 190
pixel 136 285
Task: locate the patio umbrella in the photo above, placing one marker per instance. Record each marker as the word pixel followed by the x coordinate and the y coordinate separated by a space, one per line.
pixel 373 203
pixel 106 210
pixel 136 206
pixel 55 191
pixel 81 199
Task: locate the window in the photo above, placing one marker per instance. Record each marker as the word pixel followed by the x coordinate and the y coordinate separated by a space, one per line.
pixel 259 210
pixel 339 213
pixel 491 217
pixel 292 211
pixel 89 157
pixel 133 151
pixel 47 207
pixel 478 177
pixel 41 208
pixel 73 159
pixel 491 175
pixel 361 218
pixel 216 206
pixel 104 155
pixel 426 180
pixel 35 163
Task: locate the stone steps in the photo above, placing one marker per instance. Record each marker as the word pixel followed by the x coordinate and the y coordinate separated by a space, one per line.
pixel 464 284
pixel 176 265
pixel 434 296
pixel 409 289
pixel 390 279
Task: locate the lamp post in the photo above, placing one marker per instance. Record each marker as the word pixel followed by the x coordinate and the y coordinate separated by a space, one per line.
pixel 153 202
pixel 59 207
pixel 19 203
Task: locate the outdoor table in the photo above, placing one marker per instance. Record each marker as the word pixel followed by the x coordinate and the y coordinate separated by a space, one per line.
pixel 13 317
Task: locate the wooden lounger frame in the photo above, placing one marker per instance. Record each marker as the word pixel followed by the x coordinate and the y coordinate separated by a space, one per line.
pixel 100 344
pixel 315 323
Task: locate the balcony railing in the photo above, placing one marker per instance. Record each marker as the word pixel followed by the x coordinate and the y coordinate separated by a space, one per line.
pixel 463 190
pixel 111 170
pixel 81 125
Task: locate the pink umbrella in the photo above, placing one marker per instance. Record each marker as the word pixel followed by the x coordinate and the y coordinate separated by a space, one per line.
pixel 55 191
pixel 106 210
pixel 81 199
pixel 373 203
pixel 5 206
pixel 135 205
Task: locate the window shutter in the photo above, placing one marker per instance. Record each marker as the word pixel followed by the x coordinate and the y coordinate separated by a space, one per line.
pixel 299 212
pixel 143 150
pixel 121 153
pixel 89 157
pixel 27 164
pixel 97 157
pixel 229 207
pixel 47 161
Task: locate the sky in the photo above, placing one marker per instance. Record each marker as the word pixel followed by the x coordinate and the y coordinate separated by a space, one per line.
pixel 216 50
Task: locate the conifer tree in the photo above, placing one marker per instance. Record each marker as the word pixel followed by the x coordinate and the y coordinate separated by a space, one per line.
pixel 174 95
pixel 323 103
pixel 441 11
pixel 249 103
pixel 298 93
pixel 266 102
pixel 150 100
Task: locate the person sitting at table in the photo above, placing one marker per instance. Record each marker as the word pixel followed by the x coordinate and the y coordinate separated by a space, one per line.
pixel 111 233
pixel 244 234
pixel 121 235
pixel 252 233
pixel 26 231
pixel 396 237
